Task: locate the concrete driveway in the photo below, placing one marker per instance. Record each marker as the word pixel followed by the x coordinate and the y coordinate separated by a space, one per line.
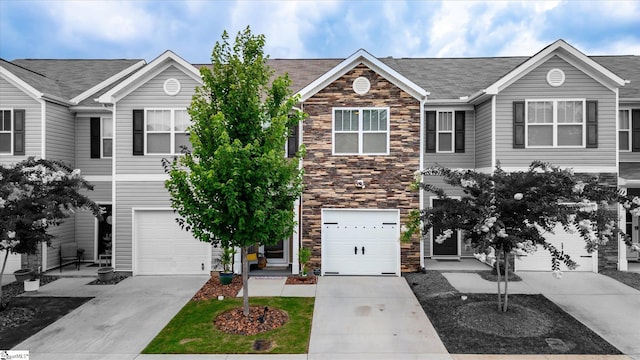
pixel 371 318
pixel 118 323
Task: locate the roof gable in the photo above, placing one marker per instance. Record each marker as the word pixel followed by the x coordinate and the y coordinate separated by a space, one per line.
pixel 159 64
pixel 362 57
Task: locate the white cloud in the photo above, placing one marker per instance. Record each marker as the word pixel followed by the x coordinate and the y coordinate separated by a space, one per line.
pixel 114 21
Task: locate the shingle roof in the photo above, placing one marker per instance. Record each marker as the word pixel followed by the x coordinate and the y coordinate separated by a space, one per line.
pixel 65 74
pixel 36 80
pixel 628 68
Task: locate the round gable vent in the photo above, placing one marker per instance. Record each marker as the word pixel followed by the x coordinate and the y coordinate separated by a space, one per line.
pixel 361 85
pixel 555 77
pixel 171 86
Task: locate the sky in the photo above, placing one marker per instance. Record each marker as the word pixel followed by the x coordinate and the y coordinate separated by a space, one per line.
pixel 314 29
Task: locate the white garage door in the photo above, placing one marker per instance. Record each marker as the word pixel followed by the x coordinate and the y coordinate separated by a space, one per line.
pixel 360 242
pixel 571 244
pixel 162 248
pixel 13 262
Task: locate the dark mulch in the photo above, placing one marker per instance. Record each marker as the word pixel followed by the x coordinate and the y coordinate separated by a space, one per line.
pixel 260 319
pixel 471 324
pixel 212 289
pixel 301 280
pixel 491 276
pixel 116 279
pixel 27 315
pixel 628 278
pixel 11 290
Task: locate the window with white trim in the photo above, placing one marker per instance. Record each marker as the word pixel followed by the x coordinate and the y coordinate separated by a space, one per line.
pixel 555 123
pixel 624 130
pixel 106 137
pixel 6 132
pixel 166 131
pixel 445 131
pixel 360 131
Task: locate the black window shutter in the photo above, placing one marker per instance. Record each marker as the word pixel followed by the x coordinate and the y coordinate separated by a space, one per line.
pixel 292 142
pixel 430 140
pixel 94 132
pixel 18 132
pixel 518 124
pixel 635 130
pixel 138 132
pixel 592 124
pixel 459 128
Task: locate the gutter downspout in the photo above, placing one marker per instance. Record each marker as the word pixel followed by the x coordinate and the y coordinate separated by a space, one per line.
pixel 421 167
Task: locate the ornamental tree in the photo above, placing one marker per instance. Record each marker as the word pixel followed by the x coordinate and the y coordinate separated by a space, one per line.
pixel 236 188
pixel 506 214
pixel 36 195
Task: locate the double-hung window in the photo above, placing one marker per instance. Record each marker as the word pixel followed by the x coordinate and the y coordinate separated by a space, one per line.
pixel 445 131
pixel 555 123
pixel 6 132
pixel 624 130
pixel 166 131
pixel 360 131
pixel 106 137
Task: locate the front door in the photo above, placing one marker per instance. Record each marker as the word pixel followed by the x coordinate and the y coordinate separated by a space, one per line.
pixel 278 253
pixel 104 231
pixel 633 228
pixel 449 247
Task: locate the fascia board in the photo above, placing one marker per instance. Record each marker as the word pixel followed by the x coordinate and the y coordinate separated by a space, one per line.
pixel 108 82
pixel 21 84
pixel 362 56
pixel 162 62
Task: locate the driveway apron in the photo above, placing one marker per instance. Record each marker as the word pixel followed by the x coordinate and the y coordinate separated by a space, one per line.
pixel 606 306
pixel 118 323
pixel 371 318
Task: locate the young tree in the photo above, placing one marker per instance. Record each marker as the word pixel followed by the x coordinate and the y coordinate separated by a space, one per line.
pixel 236 188
pixel 36 195
pixel 507 214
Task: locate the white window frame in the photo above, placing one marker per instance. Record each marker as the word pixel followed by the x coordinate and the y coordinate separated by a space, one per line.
pixel 360 130
pixel 172 132
pixel 452 131
pixel 554 124
pixel 10 132
pixel 103 138
pixel 627 130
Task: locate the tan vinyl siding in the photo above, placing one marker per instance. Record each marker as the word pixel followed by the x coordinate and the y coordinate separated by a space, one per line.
pixel 60 134
pixel 84 161
pixel 149 95
pixel 456 160
pixel 86 222
pixel 12 97
pixel 578 85
pixel 483 135
pixel 128 196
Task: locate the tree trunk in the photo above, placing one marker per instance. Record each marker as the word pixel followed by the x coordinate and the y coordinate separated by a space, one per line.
pixel 4 264
pixel 245 281
pixel 506 281
pixel 498 282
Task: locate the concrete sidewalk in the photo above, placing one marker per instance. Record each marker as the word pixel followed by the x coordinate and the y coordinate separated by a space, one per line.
pixel 118 323
pixel 275 286
pixel 608 307
pixel 371 318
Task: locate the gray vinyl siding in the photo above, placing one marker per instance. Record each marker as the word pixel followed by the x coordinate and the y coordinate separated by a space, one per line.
pixel 149 95
pixel 577 85
pixel 64 233
pixel 128 196
pixel 456 160
pixel 451 191
pixel 60 134
pixel 483 135
pixel 84 162
pixel 86 222
pixel 12 97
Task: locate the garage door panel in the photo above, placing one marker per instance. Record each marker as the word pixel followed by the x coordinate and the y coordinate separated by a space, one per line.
pixel 163 248
pixel 346 232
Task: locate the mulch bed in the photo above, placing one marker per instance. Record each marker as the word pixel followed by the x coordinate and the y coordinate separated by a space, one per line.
pixel 260 319
pixel 116 279
pixel 301 280
pixel 472 324
pixel 212 289
pixel 26 315
pixel 11 290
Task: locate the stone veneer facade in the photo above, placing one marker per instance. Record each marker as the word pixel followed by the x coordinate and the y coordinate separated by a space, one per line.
pixel 329 180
